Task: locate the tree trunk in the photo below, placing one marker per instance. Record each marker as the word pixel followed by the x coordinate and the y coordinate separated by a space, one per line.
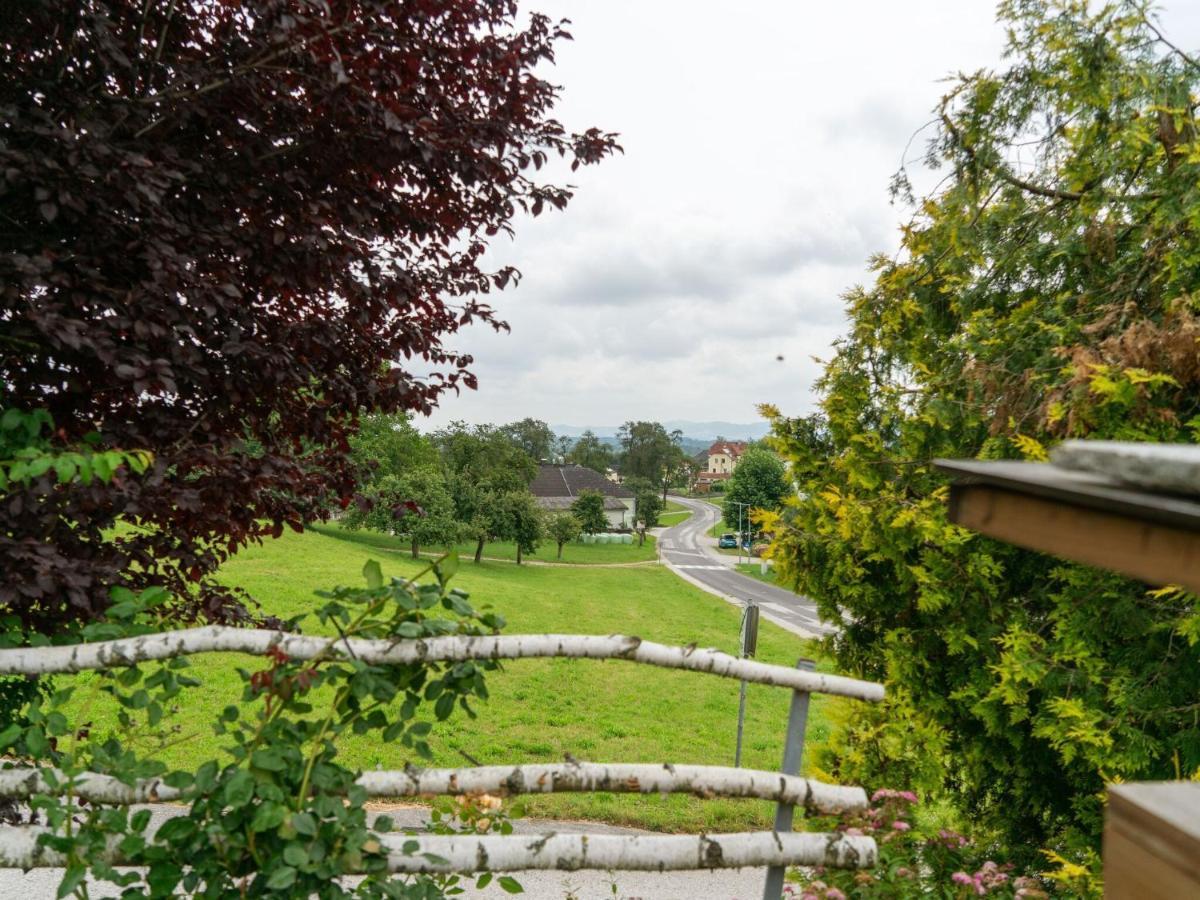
pixel 479 550
pixel 641 536
pixel 416 550
pixel 560 543
pixel 518 553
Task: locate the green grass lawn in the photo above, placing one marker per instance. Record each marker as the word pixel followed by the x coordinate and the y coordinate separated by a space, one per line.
pixel 673 513
pixel 754 570
pixel 575 552
pixel 539 709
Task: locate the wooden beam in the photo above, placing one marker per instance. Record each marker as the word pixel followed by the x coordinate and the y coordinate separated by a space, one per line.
pixel 1154 552
pixel 1152 841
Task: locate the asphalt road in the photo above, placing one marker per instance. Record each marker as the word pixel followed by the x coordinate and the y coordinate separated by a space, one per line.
pixel 692 554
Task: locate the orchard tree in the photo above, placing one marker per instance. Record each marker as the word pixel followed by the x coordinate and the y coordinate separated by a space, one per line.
pixel 1027 304
pixel 389 445
pixel 591 453
pixel 588 508
pixel 648 503
pixel 533 436
pixel 481 466
pixel 520 521
pixel 562 528
pixel 649 508
pixel 229 230
pixel 416 505
pixel 759 482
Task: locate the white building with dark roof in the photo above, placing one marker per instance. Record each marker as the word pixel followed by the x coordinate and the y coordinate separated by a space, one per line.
pixel 556 487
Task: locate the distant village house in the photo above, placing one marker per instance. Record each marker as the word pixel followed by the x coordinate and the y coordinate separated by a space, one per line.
pixel 719 462
pixel 557 486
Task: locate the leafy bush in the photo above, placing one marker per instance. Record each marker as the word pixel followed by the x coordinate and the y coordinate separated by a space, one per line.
pixel 278 812
pixel 915 860
pixel 1024 307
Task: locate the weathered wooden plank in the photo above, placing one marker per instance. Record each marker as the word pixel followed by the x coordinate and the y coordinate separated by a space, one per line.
pixel 1153 552
pixel 1152 841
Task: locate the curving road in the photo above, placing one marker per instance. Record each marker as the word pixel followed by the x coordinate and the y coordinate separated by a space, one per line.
pixel 692 554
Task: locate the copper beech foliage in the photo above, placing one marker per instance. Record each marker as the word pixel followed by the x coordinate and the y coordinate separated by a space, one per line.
pixel 220 224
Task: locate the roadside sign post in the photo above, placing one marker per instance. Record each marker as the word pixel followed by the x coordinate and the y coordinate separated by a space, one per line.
pixel 749 646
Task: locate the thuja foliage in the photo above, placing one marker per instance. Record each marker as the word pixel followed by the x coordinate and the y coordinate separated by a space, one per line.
pixel 229 228
pixel 1045 290
pixel 276 813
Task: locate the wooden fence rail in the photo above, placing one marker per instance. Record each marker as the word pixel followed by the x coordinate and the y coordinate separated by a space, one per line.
pixel 20 845
pixel 256 642
pixel 623 778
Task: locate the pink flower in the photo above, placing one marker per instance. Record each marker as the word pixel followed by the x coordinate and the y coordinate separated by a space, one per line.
pixel 962 878
pixel 854 831
pixel 900 825
pixel 834 894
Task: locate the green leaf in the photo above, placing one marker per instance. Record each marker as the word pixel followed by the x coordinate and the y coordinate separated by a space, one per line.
pixel 511 885
pixel 71 879
pixel 304 823
pixel 282 878
pixel 10 734
pixel 239 789
pixel 373 573
pixel 269 760
pixel 295 855
pixel 447 567
pixel 268 816
pixel 483 881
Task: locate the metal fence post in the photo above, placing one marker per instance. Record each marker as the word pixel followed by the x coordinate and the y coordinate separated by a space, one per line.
pixel 749 639
pixel 793 749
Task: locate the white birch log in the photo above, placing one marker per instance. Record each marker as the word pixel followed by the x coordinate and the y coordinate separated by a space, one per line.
pixel 565 852
pixel 703 781
pixel 218 638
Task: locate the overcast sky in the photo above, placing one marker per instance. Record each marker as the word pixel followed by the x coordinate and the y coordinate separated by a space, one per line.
pixel 759 140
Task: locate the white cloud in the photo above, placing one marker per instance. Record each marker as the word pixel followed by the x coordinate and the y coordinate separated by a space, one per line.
pixel 759 140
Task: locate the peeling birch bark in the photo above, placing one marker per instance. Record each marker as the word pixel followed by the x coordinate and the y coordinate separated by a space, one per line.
pixel 566 852
pixel 219 638
pixel 703 781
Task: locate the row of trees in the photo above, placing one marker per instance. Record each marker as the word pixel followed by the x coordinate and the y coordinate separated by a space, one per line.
pixel 467 483
pixel 645 451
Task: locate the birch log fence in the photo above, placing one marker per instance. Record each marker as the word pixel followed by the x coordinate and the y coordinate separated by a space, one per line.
pixel 21 846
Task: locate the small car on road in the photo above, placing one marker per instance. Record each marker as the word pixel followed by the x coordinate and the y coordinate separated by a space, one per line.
pixel 727 541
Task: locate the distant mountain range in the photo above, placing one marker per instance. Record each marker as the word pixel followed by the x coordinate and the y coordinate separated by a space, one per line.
pixel 697 431
pixel 697 436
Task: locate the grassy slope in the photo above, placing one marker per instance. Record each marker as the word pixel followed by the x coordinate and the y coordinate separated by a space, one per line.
pixel 575 552
pixel 673 513
pixel 541 709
